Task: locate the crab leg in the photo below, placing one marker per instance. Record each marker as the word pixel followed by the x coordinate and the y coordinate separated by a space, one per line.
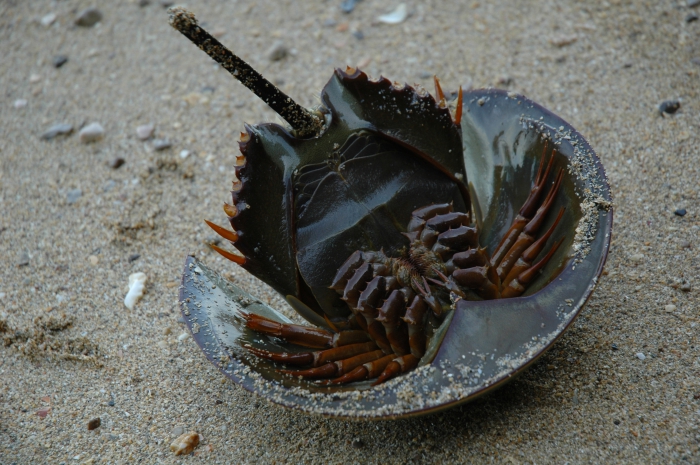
pixel 396 367
pixel 517 285
pixel 365 371
pixel 389 314
pixel 302 335
pixel 526 237
pixel 415 320
pixel 337 368
pixel 525 261
pixel 318 357
pixel 526 212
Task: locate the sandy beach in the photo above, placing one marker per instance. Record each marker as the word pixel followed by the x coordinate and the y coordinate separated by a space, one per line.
pixel 83 210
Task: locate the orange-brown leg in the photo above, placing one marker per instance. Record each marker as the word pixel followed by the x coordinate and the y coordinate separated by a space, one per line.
pixel 316 358
pixel 525 213
pixel 527 236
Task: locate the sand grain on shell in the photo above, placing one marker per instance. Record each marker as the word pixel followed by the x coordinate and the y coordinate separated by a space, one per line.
pixel 590 399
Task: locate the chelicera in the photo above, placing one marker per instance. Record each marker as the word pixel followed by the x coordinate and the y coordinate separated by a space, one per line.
pixel 364 216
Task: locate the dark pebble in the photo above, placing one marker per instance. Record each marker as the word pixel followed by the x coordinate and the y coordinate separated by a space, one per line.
pixel 166 3
pixel 614 346
pixel 357 443
pixel 617 422
pixel 88 17
pixel 218 402
pixel 59 60
pixel 359 35
pixel 346 6
pixel 680 212
pixel 94 423
pixel 691 17
pixel 61 129
pixel 111 402
pixel 669 107
pixel 143 3
pixel 134 257
pixel 116 162
pixel 695 61
pixel 693 3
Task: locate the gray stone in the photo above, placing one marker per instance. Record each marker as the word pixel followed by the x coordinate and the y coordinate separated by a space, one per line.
pixel 23 259
pixel 277 52
pixel 88 17
pixel 145 131
pixel 91 133
pixel 73 195
pixel 161 144
pixel 61 129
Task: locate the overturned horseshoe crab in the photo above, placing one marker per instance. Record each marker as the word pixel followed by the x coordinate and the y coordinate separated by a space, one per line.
pixel 437 245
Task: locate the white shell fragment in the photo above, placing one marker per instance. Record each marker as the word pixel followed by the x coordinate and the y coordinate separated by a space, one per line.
pixel 397 16
pixel 137 283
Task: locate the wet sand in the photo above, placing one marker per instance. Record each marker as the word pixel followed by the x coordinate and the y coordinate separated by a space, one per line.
pixel 72 225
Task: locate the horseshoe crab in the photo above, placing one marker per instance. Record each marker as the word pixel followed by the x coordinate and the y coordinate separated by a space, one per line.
pixel 437 244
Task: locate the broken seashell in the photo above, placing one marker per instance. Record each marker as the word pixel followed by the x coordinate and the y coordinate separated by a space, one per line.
pixel 137 283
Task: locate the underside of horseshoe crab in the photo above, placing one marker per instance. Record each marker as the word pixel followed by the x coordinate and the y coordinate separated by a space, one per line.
pixel 436 245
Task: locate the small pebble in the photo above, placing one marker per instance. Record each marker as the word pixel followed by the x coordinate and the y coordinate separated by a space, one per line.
pixel 59 60
pixel 177 431
pixel 161 144
pixel 23 259
pixel 638 257
pixel 695 61
pixel 617 422
pixel 670 308
pixel 693 3
pixel 143 3
pixel 145 131
pixel 88 17
pixel 34 78
pixel 397 16
pixel 425 75
pixel 691 17
pixel 563 40
pixel 669 107
pixel 277 51
pixel 183 336
pixel 48 20
pixel 91 133
pixel 685 287
pixel 116 162
pixel 73 195
pixel 166 3
pixel 93 260
pixel 184 154
pixel 359 35
pixel 134 257
pixel 640 356
pixel 111 402
pixel 614 346
pixel 346 6
pixel 61 129
pixel 94 423
pixel 358 443
pixel 330 22
pixel 680 212
pixel 20 103
pixel 185 443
